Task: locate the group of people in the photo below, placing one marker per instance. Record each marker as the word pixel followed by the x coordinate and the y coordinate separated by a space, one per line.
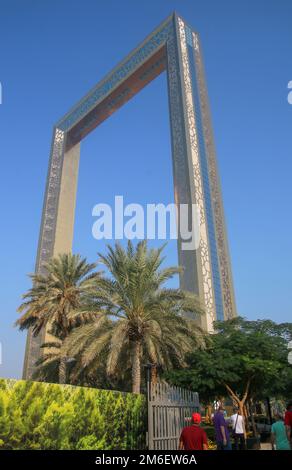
pixel 195 438
pixel 222 433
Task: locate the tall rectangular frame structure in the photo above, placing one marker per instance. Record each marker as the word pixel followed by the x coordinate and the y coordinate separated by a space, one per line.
pixel 173 47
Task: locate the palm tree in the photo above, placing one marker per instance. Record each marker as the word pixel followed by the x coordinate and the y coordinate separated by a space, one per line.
pixel 48 364
pixel 47 367
pixel 55 299
pixel 136 318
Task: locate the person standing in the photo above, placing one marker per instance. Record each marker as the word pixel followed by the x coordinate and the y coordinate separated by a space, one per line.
pixel 221 430
pixel 238 429
pixel 278 434
pixel 193 437
pixel 288 422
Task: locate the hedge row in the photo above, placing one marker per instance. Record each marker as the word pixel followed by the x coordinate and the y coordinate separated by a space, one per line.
pixel 36 415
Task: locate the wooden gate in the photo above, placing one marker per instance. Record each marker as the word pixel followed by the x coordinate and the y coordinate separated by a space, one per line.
pixel 169 410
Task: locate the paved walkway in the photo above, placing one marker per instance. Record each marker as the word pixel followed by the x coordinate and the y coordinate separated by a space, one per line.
pixel 266 446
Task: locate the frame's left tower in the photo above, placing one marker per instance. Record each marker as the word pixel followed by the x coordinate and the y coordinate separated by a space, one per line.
pixel 57 226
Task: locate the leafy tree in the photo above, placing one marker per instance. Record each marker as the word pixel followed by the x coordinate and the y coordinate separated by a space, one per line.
pixel 243 358
pixel 55 298
pixel 136 318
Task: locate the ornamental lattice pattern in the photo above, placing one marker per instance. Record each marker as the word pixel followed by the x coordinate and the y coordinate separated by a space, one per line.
pixel 47 235
pixel 204 248
pixel 182 190
pixel 221 237
pixel 50 211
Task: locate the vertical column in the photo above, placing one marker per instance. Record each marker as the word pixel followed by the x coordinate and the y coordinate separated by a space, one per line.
pixel 204 171
pixel 226 279
pixel 57 223
pixel 183 191
pixel 66 207
pixel 202 257
pixel 197 276
pixel 67 200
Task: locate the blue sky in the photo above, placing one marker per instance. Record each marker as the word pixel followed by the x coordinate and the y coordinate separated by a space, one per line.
pixel 53 52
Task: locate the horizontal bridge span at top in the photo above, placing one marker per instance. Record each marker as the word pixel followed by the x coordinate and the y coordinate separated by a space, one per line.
pixel 149 70
pixel 134 61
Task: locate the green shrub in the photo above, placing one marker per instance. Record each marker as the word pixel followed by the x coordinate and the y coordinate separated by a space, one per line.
pixel 35 415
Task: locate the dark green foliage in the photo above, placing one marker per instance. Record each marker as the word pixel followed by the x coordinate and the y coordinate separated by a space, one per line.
pixel 36 415
pixel 239 352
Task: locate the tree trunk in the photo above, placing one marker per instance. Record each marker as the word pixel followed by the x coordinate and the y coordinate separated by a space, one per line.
pixel 254 428
pixel 240 406
pixel 246 418
pixel 209 412
pixel 269 410
pixel 62 370
pixel 154 373
pixel 136 368
pixel 240 402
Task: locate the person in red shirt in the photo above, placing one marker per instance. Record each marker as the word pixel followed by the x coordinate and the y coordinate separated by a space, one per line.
pixel 288 422
pixel 193 437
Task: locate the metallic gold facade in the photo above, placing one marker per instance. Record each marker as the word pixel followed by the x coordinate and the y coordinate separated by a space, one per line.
pixel 173 47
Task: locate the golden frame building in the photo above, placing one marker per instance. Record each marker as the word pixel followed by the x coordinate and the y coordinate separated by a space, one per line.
pixel 173 47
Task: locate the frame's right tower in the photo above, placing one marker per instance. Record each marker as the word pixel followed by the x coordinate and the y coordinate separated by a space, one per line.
pixel 196 178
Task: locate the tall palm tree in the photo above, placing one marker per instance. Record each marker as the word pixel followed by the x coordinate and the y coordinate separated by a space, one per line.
pixel 136 318
pixel 47 367
pixel 55 298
